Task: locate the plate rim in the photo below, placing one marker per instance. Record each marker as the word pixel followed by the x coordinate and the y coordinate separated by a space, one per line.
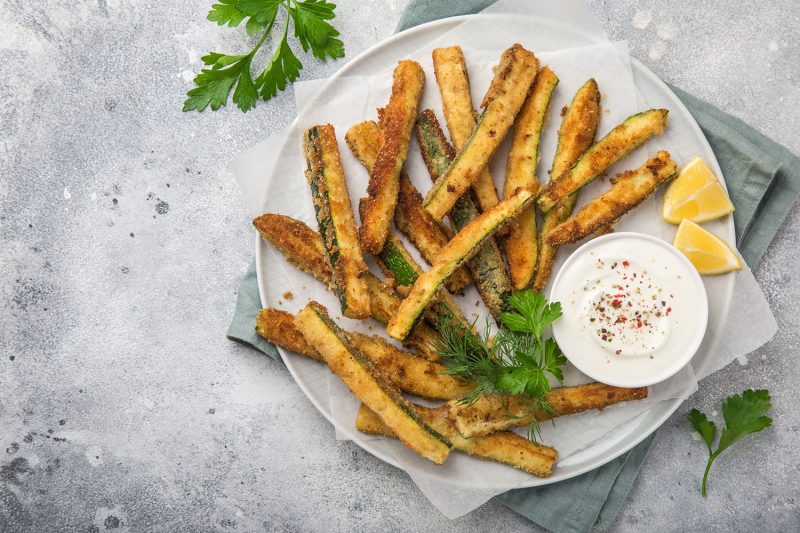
pixel 666 407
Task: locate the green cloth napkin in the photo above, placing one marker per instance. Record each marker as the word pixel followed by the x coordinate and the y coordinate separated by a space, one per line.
pixel 763 180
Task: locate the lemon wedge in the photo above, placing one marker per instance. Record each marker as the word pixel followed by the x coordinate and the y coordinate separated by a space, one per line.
pixel 696 194
pixel 707 252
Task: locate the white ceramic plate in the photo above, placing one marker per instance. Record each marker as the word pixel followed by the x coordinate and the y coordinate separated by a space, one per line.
pixel 312 377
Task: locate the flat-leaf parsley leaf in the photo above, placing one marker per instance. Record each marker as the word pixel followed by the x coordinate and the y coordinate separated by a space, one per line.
pixel 743 413
pixel 311 27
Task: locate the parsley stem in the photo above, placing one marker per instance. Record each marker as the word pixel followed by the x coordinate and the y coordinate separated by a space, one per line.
pixel 263 38
pixel 705 475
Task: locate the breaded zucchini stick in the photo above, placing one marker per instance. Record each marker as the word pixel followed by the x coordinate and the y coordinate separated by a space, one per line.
pixel 629 189
pixel 504 446
pixel 278 328
pixel 487 266
pixel 367 383
pixel 395 261
pixel 521 244
pixel 336 221
pixel 619 142
pixel 397 119
pixel 427 235
pixel 513 78
pixel 411 219
pixel 303 247
pixel 407 372
pixel 575 135
pixel 497 412
pixel 453 80
pixel 453 255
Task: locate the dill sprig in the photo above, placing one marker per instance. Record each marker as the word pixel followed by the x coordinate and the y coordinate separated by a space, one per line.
pixel 517 360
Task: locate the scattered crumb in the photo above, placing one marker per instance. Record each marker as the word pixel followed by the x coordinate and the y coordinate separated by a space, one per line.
pixel 288 295
pixel 564 111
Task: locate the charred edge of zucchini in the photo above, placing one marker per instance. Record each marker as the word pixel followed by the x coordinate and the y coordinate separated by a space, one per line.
pixel 375 373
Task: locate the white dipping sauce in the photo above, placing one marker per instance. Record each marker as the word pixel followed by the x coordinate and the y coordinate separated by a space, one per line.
pixel 634 309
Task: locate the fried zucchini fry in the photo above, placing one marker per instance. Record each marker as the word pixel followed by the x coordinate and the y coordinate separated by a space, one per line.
pixel 302 246
pixel 336 221
pixel 497 412
pixel 487 266
pixel 409 216
pixel 278 328
pixel 367 383
pixel 575 135
pixel 407 372
pixel 522 244
pixel 426 234
pixel 619 142
pixel 410 373
pixel 629 189
pixel 453 80
pixel 453 255
pixel 513 78
pixel 504 446
pixel 397 119
pixel 395 261
pixel 299 244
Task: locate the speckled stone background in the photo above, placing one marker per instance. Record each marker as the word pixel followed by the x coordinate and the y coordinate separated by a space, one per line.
pixel 123 239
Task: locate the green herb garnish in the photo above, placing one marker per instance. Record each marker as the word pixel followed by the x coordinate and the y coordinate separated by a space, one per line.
pixel 309 19
pixel 744 414
pixel 518 360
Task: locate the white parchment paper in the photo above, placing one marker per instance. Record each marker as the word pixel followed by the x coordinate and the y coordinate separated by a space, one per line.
pixel 739 320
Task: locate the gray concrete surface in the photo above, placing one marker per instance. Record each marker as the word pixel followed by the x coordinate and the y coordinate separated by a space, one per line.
pixel 123 238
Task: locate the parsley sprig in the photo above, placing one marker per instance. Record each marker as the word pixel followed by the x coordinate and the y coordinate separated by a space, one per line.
pixel 518 360
pixel 309 19
pixel 743 413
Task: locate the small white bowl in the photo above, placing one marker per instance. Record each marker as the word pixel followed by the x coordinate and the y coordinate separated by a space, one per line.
pixel 656 263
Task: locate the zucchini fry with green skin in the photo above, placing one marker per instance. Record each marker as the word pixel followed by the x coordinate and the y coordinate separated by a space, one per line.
pixel 629 189
pixel 453 81
pixel 497 412
pixel 504 446
pixel 487 266
pixel 618 143
pixel 575 135
pixel 407 372
pixel 453 255
pixel 397 119
pixel 395 261
pixel 367 383
pixel 411 219
pixel 302 247
pixel 336 221
pixel 522 244
pixel 507 93
pixel 425 232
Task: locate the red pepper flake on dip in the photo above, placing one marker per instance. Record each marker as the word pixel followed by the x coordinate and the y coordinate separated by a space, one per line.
pixel 634 309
